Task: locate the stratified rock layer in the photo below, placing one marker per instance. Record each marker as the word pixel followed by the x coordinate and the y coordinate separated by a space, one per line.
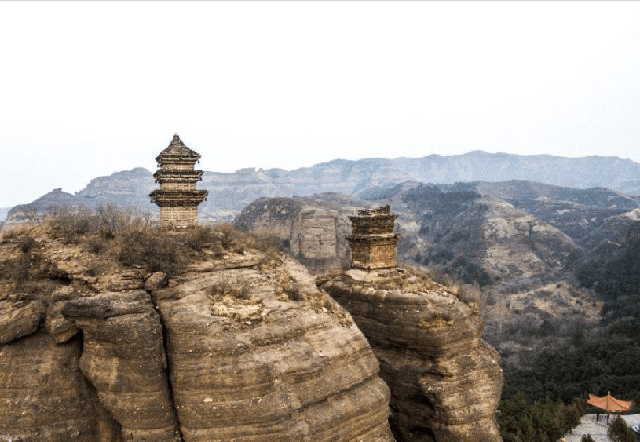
pixel 248 364
pixel 445 380
pixel 246 348
pixel 123 357
pixel 45 397
pixel 313 229
pixel 19 318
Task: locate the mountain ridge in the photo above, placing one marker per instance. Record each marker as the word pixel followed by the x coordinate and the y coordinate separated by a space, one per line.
pixel 229 193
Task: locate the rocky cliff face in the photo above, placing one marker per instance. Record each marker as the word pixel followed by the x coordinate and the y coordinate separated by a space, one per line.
pixel 43 392
pixel 445 380
pixel 313 229
pixel 238 346
pixel 123 357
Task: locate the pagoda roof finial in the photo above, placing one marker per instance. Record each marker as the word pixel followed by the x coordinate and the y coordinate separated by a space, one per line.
pixel 178 148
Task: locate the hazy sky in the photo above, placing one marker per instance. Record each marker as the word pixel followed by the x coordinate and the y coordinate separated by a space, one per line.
pixel 91 88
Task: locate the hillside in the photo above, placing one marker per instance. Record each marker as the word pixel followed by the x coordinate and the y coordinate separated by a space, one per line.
pixel 577 212
pixel 526 268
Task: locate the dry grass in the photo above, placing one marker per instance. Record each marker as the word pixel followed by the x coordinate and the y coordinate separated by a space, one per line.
pixel 110 237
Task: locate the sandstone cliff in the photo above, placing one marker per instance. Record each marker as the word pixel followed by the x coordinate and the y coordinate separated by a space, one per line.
pixel 312 228
pixel 445 380
pixel 234 345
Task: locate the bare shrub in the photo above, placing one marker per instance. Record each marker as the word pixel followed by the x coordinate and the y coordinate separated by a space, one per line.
pixel 26 244
pixel 18 269
pixel 96 245
pixel 70 225
pixel 471 295
pixel 283 284
pixel 268 243
pixel 231 238
pixel 200 237
pixel 133 239
pixel 31 214
pixel 296 292
pixel 229 287
pixel 95 269
pixel 111 220
pixel 153 249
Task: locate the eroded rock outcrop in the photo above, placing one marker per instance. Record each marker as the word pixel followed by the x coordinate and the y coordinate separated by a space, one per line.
pixel 19 318
pixel 123 358
pixel 445 380
pixel 248 363
pixel 313 229
pixel 239 345
pixel 45 397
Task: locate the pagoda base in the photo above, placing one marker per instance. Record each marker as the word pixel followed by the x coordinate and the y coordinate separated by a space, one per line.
pixel 375 252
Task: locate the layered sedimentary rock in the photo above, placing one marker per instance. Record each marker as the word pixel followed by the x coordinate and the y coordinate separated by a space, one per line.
pixel 241 346
pixel 248 363
pixel 45 397
pixel 313 229
pixel 445 380
pixel 123 357
pixel 19 318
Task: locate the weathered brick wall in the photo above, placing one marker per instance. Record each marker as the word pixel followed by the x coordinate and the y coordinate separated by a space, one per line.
pixel 384 256
pixel 359 255
pixel 178 216
pixel 374 255
pixel 178 196
pixel 373 243
pixel 178 186
pixel 178 166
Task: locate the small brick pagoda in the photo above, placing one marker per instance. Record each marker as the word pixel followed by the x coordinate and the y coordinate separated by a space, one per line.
pixel 178 197
pixel 373 243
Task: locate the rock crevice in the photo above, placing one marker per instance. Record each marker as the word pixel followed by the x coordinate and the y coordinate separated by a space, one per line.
pixel 123 357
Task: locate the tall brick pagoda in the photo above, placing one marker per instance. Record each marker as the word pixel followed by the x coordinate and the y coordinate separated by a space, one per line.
pixel 372 241
pixel 178 197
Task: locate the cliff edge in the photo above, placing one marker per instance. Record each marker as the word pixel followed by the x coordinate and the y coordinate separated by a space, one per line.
pixel 445 380
pixel 114 330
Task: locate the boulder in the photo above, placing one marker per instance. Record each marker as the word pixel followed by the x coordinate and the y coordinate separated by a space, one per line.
pixel 19 318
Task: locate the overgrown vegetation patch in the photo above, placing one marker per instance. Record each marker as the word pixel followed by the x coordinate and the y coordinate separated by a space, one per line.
pixel 110 238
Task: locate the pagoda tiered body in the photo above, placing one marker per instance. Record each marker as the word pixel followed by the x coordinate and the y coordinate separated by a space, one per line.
pixel 178 197
pixel 372 241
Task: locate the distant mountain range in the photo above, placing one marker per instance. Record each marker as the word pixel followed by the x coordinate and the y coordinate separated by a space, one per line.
pixel 229 193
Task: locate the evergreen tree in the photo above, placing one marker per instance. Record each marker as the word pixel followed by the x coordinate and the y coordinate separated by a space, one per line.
pixel 620 432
